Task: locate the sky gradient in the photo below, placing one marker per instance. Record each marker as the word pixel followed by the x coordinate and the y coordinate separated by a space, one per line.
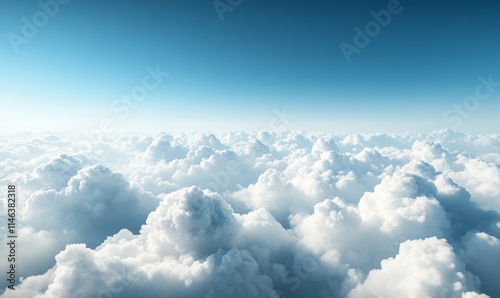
pixel 231 74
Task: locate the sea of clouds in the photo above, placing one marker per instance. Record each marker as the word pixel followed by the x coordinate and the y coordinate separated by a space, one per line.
pixel 254 214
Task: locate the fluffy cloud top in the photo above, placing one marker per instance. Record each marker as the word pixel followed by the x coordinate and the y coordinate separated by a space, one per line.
pixel 422 268
pixel 263 214
pixel 191 221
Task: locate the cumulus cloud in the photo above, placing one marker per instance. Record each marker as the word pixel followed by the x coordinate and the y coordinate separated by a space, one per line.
pixel 482 180
pixel 95 202
pixel 191 220
pixel 264 214
pixel 164 148
pixel 422 268
pixel 54 174
pixel 482 252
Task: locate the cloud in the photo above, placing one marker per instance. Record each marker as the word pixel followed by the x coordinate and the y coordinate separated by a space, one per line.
pixel 482 180
pixel 482 254
pixel 422 268
pixel 164 148
pixel 191 221
pixel 54 174
pixel 96 202
pixel 255 214
pixel 189 228
pixel 273 192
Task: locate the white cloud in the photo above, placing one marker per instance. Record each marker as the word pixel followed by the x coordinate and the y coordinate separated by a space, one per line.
pixel 482 253
pixel 262 214
pixel 422 268
pixel 191 221
pixel 95 203
pixel 482 180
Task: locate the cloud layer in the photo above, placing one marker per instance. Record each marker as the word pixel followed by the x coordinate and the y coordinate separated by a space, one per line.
pixel 265 214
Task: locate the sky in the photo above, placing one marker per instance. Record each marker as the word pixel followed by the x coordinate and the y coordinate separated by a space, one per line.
pixel 238 65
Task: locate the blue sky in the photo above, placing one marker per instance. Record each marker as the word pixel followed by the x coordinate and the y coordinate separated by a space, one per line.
pixel 264 55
